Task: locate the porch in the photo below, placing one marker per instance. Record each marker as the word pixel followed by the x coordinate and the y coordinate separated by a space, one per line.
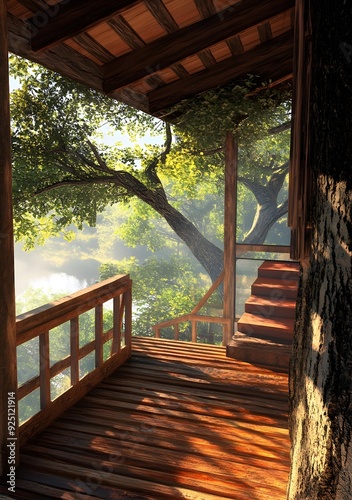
pixel 177 420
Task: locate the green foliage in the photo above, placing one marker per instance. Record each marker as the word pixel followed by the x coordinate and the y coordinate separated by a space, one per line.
pixel 53 122
pixel 59 157
pixel 206 118
pixel 162 289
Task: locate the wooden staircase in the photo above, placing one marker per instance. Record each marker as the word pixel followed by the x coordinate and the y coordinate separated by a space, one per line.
pixel 265 331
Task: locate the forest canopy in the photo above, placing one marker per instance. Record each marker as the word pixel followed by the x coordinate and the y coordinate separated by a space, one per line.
pixel 66 172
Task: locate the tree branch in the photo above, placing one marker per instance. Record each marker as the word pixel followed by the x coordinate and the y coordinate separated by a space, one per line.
pixel 262 193
pixel 71 182
pixel 103 166
pixel 280 128
pixel 277 179
pixel 151 169
pixel 282 209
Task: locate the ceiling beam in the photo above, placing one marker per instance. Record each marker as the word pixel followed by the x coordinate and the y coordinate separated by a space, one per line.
pixel 205 8
pixel 162 15
pixel 71 17
pixel 271 60
pixel 33 5
pixel 68 63
pixel 187 41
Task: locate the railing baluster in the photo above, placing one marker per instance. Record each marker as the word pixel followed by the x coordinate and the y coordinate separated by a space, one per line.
pixel 99 336
pixel 128 318
pixel 40 321
pixel 74 340
pixel 177 331
pixel 116 338
pixel 44 370
pixel 194 331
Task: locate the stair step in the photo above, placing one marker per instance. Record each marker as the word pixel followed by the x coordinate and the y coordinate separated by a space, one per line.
pixel 267 306
pixel 279 270
pixel 275 289
pixel 278 328
pixel 260 352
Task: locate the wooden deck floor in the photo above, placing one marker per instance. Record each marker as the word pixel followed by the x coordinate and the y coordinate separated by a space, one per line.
pixel 179 420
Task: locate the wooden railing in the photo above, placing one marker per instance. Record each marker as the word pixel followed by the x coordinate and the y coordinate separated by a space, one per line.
pixel 227 322
pixel 111 348
pixel 194 317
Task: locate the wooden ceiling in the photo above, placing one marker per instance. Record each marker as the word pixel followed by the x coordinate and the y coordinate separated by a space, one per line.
pixel 152 54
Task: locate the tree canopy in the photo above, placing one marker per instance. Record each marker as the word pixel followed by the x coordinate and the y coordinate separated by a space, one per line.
pixel 64 173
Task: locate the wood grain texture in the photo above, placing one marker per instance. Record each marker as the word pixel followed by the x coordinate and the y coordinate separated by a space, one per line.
pixel 261 60
pixel 187 41
pixel 30 323
pixel 52 411
pixel 177 421
pixel 301 183
pixel 44 370
pixel 162 15
pixel 64 363
pixel 206 8
pixel 71 18
pixel 230 225
pixel 8 372
pixel 99 343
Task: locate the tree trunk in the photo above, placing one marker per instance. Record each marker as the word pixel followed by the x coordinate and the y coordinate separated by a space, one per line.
pixel 268 211
pixel 208 255
pixel 321 365
pixel 265 217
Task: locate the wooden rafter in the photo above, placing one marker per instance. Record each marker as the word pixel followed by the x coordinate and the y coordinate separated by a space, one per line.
pixel 235 45
pixel 207 58
pixel 93 47
pixel 34 5
pixel 205 7
pixel 264 31
pixel 162 15
pixel 126 32
pixel 187 41
pixel 271 60
pixel 72 18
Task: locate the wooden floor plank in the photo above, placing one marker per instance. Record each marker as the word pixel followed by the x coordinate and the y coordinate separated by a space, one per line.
pixel 179 420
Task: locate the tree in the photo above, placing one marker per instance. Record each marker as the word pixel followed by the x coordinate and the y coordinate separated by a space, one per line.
pixel 163 289
pixel 321 368
pixel 63 176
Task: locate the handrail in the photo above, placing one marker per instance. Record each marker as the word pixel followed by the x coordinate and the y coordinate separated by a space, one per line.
pixel 194 317
pixel 242 248
pixel 37 324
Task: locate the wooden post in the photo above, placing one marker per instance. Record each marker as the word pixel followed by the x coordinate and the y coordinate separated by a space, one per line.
pixel 176 331
pixel 194 331
pixel 44 370
pixel 8 370
pixel 99 327
pixel 230 221
pixel 74 349
pixel 128 317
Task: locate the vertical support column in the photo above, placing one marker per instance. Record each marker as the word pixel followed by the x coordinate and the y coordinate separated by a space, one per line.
pixel 8 371
pixel 44 370
pixel 230 222
pixel 74 349
pixel 128 317
pixel 99 328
